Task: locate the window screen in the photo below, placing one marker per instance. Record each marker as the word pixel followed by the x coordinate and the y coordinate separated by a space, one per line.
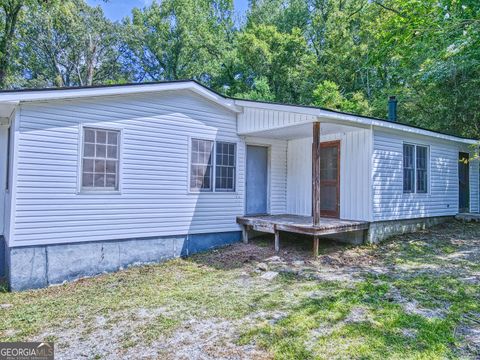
pixel 100 159
pixel 408 168
pixel 422 169
pixel 225 167
pixel 201 165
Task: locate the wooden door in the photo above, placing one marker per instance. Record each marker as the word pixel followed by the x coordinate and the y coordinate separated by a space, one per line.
pixel 330 179
pixel 463 182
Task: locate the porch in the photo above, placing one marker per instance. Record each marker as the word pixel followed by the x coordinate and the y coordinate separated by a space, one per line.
pixel 305 174
pixel 298 224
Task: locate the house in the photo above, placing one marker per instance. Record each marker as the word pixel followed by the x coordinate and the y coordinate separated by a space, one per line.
pixel 97 178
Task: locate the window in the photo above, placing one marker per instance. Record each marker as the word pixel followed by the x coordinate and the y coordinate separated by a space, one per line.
pixel 225 167
pixel 422 169
pixel 208 176
pixel 408 168
pixel 415 168
pixel 201 165
pixel 100 159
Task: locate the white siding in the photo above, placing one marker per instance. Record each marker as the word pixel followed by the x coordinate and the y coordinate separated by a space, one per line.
pixel 9 201
pixel 355 152
pixel 154 198
pixel 299 179
pixel 277 174
pixel 389 201
pixel 3 168
pixel 253 120
pixel 474 184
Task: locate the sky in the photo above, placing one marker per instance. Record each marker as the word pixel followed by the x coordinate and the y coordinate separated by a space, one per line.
pixel 118 9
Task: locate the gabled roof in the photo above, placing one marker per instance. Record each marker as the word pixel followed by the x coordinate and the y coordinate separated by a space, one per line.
pixel 233 104
pixel 12 96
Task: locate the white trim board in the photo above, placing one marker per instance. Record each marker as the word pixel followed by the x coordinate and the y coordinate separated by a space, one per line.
pixel 56 94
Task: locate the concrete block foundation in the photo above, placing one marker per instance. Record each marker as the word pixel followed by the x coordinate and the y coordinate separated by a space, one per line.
pixel 39 266
pixel 382 230
pixel 351 238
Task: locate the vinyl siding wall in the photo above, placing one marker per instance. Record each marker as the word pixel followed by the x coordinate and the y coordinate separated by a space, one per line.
pixel 9 194
pixel 3 169
pixel 154 199
pixel 355 152
pixel 389 201
pixel 254 120
pixel 474 184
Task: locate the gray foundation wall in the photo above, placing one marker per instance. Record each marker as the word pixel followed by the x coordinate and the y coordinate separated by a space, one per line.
pixel 39 266
pixel 352 237
pixel 382 230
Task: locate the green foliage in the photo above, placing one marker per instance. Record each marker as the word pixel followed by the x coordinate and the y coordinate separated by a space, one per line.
pixel 260 91
pixel 327 95
pixel 58 51
pixel 263 52
pixel 346 54
pixel 179 39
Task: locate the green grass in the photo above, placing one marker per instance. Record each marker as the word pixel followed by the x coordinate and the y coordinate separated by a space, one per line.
pixel 375 337
pixel 313 326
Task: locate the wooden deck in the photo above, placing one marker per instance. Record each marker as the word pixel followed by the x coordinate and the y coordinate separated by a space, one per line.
pixel 299 225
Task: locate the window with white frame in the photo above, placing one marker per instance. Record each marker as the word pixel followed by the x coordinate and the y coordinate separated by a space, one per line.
pixel 205 175
pixel 415 168
pixel 201 177
pixel 100 159
pixel 225 166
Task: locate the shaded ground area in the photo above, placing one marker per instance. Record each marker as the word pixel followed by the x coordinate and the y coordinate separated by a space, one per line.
pixel 416 296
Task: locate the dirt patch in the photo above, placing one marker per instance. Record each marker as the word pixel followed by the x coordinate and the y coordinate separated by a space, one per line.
pixel 470 340
pixel 109 338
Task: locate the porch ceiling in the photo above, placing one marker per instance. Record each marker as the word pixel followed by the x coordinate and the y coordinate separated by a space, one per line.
pixel 299 131
pixel 6 109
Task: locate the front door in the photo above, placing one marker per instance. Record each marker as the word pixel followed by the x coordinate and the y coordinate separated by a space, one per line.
pixel 330 179
pixel 257 180
pixel 463 182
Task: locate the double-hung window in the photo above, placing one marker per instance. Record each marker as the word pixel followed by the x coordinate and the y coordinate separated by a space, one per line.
pixel 212 166
pixel 201 165
pixel 225 167
pixel 100 159
pixel 415 168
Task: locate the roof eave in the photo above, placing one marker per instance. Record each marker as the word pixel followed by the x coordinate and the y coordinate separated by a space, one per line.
pixel 351 119
pixel 60 94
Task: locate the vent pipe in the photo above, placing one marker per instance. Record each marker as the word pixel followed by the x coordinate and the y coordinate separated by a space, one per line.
pixel 392 108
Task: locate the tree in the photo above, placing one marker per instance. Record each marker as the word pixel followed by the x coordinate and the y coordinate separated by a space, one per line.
pixel 328 95
pixel 280 59
pixel 260 90
pixel 180 39
pixel 71 44
pixel 428 53
pixel 9 14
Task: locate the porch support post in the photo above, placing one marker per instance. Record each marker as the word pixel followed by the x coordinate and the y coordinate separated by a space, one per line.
pixel 277 241
pixel 245 234
pixel 315 245
pixel 316 174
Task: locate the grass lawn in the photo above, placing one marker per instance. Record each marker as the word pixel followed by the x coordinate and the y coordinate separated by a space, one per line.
pixel 416 296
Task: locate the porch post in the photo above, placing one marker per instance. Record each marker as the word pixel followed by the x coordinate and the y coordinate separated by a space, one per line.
pixel 316 174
